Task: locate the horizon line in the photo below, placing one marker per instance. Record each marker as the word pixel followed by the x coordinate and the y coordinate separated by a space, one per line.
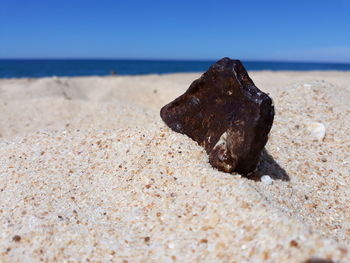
pixel 181 60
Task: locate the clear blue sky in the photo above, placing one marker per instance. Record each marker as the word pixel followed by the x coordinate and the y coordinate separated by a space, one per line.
pixel 300 30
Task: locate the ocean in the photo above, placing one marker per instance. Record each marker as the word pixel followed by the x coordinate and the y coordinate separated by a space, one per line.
pixel 28 68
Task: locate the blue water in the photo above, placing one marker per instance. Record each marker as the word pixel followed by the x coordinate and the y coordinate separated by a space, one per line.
pixel 88 67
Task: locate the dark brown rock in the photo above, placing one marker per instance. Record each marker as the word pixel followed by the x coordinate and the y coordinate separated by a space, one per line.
pixel 226 114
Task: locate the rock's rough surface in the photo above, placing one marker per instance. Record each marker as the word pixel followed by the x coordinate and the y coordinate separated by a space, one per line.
pixel 226 114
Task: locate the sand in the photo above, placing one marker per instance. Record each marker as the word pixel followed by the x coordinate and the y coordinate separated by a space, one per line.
pixel 89 173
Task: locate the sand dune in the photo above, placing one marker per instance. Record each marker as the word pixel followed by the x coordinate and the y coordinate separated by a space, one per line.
pixel 89 172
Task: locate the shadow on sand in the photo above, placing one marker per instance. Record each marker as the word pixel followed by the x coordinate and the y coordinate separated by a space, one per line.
pixel 268 166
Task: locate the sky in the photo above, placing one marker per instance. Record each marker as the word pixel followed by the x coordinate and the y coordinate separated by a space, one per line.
pixel 296 30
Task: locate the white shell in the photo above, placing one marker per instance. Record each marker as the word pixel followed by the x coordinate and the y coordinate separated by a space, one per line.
pixel 317 130
pixel 266 179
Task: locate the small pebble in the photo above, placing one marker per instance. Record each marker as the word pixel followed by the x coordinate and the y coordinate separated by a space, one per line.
pixel 293 243
pixel 266 179
pixel 317 130
pixel 16 238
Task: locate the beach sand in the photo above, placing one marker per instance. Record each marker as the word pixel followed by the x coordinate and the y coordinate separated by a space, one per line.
pixel 90 173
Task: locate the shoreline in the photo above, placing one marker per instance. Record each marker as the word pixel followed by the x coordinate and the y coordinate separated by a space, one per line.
pixel 181 73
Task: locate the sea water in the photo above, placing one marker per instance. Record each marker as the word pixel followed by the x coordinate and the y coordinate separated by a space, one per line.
pixel 34 68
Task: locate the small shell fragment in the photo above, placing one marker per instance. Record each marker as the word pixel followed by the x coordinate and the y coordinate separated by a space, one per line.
pixel 317 130
pixel 266 179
